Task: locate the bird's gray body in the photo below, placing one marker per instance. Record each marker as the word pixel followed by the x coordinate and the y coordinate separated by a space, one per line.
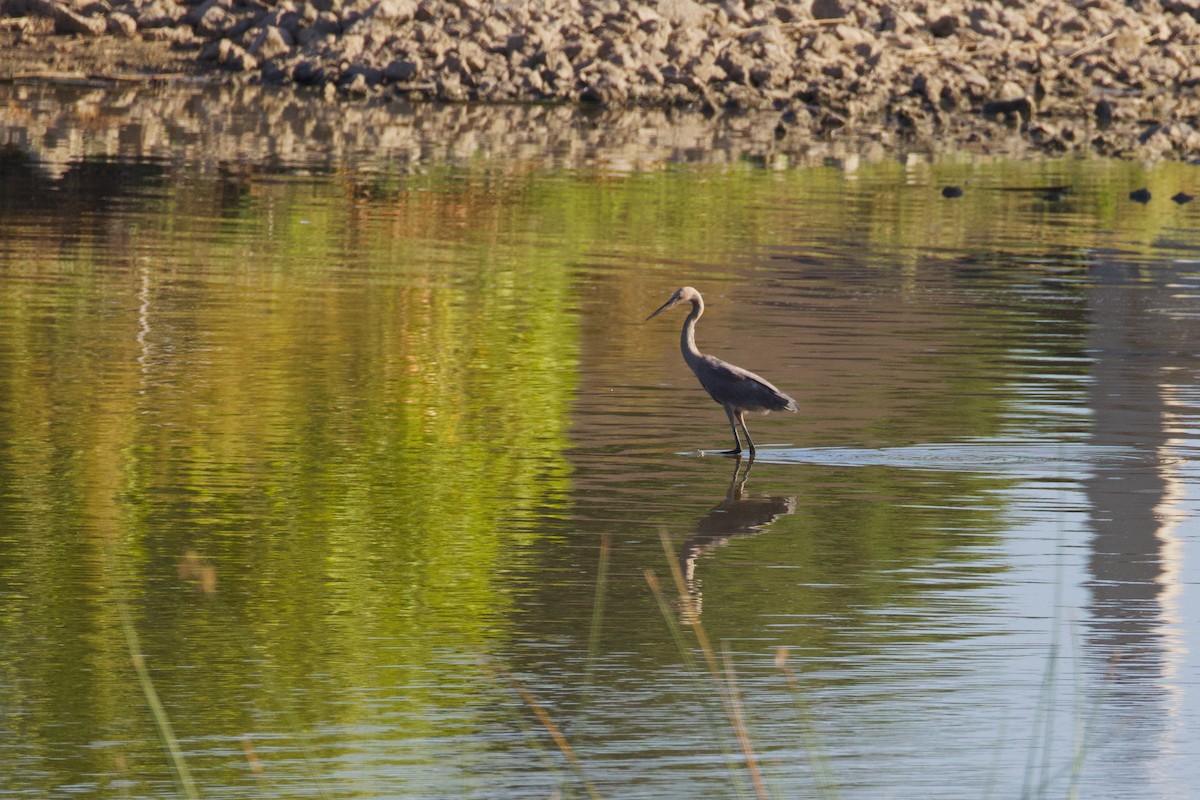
pixel 740 388
pixel 737 390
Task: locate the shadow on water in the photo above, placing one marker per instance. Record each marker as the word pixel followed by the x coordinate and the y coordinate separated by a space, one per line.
pixel 739 514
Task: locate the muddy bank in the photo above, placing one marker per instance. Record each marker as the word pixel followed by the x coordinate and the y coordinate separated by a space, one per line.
pixel 1098 76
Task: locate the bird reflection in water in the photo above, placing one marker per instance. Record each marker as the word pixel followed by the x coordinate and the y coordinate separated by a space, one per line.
pixel 737 515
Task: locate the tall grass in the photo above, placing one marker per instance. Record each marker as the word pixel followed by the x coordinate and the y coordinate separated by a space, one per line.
pixel 712 673
pixel 162 723
pixel 722 679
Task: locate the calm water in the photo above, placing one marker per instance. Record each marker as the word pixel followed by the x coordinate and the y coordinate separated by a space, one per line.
pixel 371 467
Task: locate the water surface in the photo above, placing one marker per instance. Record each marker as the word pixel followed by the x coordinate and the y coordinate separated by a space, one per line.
pixel 369 458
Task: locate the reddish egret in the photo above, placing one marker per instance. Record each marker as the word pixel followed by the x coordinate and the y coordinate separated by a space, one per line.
pixel 736 389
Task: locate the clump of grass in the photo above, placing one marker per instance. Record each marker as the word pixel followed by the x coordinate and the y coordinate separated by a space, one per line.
pixel 723 679
pixel 556 734
pixel 826 783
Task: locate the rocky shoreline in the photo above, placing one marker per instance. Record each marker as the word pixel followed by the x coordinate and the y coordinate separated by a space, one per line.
pixel 1098 76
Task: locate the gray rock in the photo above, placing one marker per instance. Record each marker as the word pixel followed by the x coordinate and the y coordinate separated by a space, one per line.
pixel 159 14
pixel 829 9
pixel 234 57
pixel 33 8
pixel 944 26
pixel 67 21
pixel 309 73
pixel 395 11
pixel 515 43
pixel 211 18
pixel 326 25
pixel 401 70
pixel 683 12
pixel 271 42
pixel 1017 108
pixel 121 24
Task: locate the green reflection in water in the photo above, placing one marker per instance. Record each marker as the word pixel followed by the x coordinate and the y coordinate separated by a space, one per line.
pixel 353 418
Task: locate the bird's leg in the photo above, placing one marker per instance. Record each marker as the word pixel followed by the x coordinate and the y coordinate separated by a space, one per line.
pixel 737 443
pixel 742 419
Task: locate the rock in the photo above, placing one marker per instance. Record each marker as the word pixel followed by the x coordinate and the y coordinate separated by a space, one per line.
pixel 683 13
pixel 1182 197
pixel 211 18
pixel 449 86
pixel 160 14
pixel 951 192
pixel 828 9
pixel 1019 108
pixel 735 67
pixel 401 70
pixel 32 8
pixel 94 8
pixel 67 21
pixel 233 56
pixel 515 43
pixel 786 13
pixel 121 24
pixel 702 71
pixel 1149 132
pixel 944 26
pixel 324 27
pixel 271 42
pixel 395 11
pixel 273 72
pixel 286 17
pixel 181 35
pixel 308 73
pixel 1140 196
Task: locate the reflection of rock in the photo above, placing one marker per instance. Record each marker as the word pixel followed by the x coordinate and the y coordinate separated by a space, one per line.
pixel 736 515
pixel 281 128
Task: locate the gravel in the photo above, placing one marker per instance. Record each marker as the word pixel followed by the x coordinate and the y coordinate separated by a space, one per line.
pixel 1090 75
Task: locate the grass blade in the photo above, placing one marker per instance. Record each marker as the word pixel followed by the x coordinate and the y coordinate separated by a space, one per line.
pixel 166 734
pixel 826 782
pixel 555 732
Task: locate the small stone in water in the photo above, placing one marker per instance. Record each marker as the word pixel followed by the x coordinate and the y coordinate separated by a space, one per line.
pixel 1140 196
pixel 1182 197
pixel 952 191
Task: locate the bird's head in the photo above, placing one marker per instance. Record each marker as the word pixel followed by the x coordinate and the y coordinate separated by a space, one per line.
pixel 683 295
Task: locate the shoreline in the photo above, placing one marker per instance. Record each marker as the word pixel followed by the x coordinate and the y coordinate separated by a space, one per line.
pixel 1103 79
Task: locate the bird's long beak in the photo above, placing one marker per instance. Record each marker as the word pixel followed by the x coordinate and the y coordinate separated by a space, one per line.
pixel 674 299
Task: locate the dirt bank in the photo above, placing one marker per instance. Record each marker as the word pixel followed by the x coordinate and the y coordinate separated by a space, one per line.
pixel 1090 75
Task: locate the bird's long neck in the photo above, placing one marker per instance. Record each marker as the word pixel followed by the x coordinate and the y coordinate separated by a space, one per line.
pixel 687 339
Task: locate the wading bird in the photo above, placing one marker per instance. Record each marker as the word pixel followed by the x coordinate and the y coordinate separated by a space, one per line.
pixel 737 389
